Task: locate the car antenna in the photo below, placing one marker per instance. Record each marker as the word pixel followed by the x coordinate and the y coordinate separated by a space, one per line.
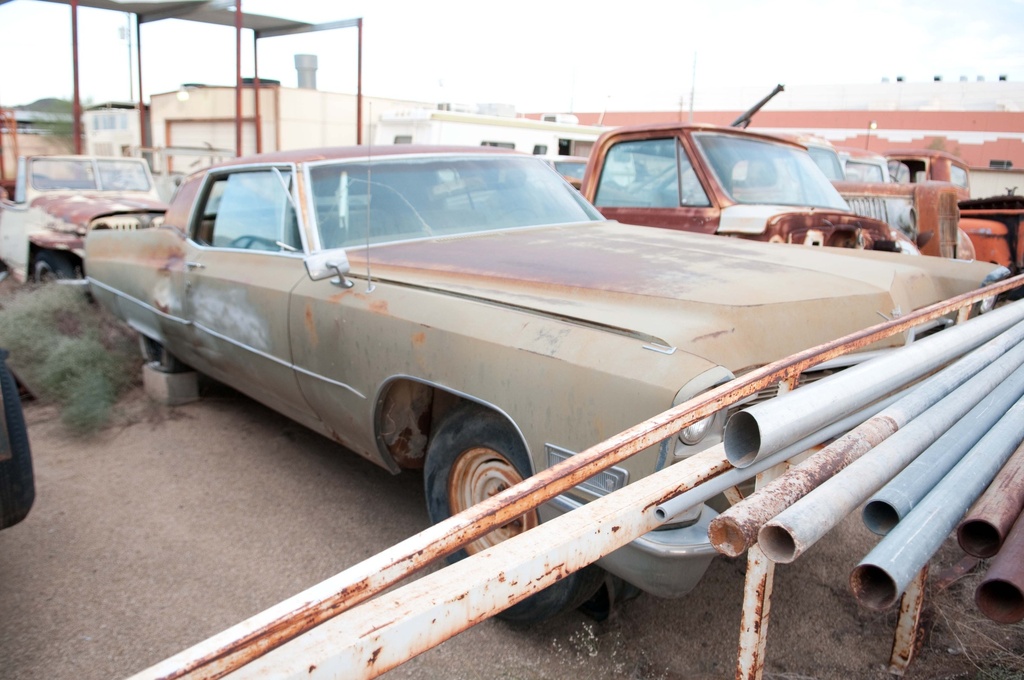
pixel 369 202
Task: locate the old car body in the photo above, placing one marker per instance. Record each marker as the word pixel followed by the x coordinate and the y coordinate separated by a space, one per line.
pixel 58 199
pixel 726 181
pixel 931 165
pixel 996 227
pixel 465 311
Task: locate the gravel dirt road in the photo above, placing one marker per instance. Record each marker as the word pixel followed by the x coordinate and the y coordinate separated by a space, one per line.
pixel 175 523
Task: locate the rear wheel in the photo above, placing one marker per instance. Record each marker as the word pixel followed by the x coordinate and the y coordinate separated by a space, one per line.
pixel 17 484
pixel 473 455
pixel 51 265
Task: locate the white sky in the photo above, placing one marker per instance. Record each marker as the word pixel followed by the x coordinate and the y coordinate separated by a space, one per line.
pixel 538 55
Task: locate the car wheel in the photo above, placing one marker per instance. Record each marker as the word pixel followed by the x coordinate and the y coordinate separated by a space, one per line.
pixel 157 356
pixel 51 265
pixel 473 455
pixel 17 486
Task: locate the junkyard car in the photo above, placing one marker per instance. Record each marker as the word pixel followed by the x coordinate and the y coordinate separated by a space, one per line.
pixel 726 181
pixel 465 311
pixel 58 199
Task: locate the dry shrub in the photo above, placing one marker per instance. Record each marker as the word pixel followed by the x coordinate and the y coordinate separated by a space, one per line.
pixel 69 351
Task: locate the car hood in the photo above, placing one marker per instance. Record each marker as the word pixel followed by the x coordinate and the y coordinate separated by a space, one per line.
pixel 728 300
pixel 80 209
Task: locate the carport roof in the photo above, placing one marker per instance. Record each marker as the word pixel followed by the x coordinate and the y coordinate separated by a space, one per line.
pixel 219 12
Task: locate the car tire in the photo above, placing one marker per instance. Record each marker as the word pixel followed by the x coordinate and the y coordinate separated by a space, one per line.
pixel 51 265
pixel 474 454
pixel 158 356
pixel 17 486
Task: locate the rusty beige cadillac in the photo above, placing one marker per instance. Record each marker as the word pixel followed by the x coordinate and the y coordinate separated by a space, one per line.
pixel 466 312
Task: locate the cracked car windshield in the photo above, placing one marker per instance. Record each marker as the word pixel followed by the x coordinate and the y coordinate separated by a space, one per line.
pixel 757 172
pixel 393 200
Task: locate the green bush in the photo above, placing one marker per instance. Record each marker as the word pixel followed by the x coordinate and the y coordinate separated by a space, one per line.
pixel 69 352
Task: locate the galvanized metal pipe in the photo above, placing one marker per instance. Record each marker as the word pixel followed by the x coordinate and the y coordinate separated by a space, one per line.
pixel 769 426
pixel 988 522
pixel 881 576
pixel 737 528
pixel 1000 596
pixel 790 533
pixel 896 499
pixel 679 505
pixel 250 639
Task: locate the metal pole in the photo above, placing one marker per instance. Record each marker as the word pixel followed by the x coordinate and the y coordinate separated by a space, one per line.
pixel 238 77
pixel 76 105
pixel 737 528
pixel 143 141
pixel 800 526
pixel 881 576
pixel 256 90
pixel 359 84
pixel 988 522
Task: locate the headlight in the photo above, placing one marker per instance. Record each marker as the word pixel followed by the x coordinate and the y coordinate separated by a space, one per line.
pixel 695 433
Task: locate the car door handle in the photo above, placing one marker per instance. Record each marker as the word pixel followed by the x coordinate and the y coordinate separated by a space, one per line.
pixel 195 265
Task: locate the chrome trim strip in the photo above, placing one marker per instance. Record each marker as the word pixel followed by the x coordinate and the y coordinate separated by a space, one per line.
pixel 186 322
pixel 144 305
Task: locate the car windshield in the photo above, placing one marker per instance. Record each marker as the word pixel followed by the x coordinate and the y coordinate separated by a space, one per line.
pixel 755 171
pixel 49 174
pixel 828 161
pixel 574 169
pixel 403 198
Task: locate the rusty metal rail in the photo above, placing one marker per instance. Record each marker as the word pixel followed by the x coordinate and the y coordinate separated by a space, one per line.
pixel 430 610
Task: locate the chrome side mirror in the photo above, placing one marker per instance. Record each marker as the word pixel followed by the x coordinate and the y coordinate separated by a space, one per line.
pixel 327 263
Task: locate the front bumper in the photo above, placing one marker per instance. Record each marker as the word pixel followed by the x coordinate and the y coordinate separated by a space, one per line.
pixel 667 563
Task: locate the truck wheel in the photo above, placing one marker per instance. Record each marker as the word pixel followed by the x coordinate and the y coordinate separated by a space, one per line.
pixel 17 487
pixel 473 455
pixel 51 265
pixel 157 356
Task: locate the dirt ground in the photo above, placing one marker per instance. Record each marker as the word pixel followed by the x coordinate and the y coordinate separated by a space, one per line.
pixel 174 523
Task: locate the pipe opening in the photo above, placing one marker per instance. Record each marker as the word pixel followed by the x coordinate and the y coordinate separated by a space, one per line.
pixel 979 538
pixel 1000 601
pixel 727 537
pixel 873 586
pixel 742 439
pixel 777 544
pixel 880 517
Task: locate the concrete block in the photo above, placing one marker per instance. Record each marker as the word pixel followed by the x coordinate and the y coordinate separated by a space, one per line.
pixel 171 389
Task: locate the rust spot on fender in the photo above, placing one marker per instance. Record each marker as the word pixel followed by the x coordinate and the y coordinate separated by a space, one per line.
pixel 379 307
pixel 373 657
pixel 614 529
pixel 419 338
pixel 311 326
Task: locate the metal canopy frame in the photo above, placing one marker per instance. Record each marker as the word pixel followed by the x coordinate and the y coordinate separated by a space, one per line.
pixel 217 12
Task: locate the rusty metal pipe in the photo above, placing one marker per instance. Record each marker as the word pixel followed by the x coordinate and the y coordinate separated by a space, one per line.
pixel 881 576
pixel 989 521
pixel 251 639
pixel 679 505
pixel 897 498
pixel 769 426
pixel 737 528
pixel 790 533
pixel 1000 595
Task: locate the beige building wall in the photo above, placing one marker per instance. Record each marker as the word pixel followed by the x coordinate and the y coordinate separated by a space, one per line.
pixel 289 118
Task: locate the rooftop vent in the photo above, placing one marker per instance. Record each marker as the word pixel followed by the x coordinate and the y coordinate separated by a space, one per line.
pixel 306 65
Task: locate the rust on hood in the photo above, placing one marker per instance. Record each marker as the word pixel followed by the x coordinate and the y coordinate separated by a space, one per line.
pixel 80 209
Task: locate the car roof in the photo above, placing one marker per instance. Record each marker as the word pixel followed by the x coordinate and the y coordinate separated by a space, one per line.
pixel 363 151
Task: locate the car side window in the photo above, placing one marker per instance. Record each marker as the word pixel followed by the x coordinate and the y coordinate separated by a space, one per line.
pixel 248 210
pixel 650 173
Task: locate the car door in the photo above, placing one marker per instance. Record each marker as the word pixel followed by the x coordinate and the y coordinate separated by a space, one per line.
pixel 653 182
pixel 242 260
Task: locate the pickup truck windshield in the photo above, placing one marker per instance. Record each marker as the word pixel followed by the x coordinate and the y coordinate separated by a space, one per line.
pixel 54 174
pixel 398 199
pixel 759 172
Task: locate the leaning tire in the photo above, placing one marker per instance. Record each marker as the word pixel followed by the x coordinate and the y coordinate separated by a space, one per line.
pixel 17 486
pixel 474 454
pixel 51 265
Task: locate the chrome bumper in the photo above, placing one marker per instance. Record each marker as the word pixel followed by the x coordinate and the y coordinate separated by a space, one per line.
pixel 666 563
